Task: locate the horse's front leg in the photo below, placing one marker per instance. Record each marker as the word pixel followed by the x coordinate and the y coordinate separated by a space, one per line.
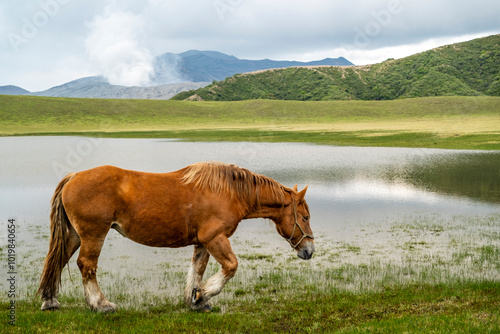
pixel 220 249
pixel 195 275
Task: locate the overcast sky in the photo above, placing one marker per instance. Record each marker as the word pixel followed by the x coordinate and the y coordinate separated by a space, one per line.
pixel 49 42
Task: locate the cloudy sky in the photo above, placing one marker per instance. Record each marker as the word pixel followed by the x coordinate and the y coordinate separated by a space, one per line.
pixel 49 42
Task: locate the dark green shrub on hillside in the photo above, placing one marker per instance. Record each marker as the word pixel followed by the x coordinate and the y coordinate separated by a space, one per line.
pixel 465 69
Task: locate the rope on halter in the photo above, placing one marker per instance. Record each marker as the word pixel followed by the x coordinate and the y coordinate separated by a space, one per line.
pixel 304 234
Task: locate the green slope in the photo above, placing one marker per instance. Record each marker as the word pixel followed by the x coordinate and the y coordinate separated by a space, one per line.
pixel 441 122
pixel 466 69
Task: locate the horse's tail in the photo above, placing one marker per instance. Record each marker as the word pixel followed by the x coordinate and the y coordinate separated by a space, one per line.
pixel 57 255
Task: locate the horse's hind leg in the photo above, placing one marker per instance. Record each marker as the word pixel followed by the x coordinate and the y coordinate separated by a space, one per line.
pixel 195 275
pixel 72 245
pixel 87 262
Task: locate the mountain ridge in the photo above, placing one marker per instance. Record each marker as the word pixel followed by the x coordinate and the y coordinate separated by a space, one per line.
pixel 12 90
pixel 207 66
pixel 465 69
pixel 173 73
pixel 98 87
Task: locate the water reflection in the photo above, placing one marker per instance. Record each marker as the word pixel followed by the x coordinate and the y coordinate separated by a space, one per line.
pixel 472 175
pixel 383 179
pixel 413 173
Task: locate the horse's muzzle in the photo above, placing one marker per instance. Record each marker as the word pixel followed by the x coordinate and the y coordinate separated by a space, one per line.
pixel 307 251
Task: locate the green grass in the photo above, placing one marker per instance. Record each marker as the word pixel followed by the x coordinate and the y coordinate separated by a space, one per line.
pixel 440 122
pixel 487 141
pixel 417 273
pixel 353 138
pixel 467 307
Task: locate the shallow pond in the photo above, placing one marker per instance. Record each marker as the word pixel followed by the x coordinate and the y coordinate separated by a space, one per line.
pixel 359 198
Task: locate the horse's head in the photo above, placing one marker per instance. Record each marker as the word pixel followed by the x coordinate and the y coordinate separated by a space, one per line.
pixel 293 224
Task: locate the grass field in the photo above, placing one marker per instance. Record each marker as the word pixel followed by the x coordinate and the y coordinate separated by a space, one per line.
pixel 417 274
pixel 464 308
pixel 439 122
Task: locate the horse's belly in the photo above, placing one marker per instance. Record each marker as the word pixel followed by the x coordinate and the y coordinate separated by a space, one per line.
pixel 159 233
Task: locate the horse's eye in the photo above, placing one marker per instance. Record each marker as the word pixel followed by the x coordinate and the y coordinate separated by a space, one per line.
pixel 305 218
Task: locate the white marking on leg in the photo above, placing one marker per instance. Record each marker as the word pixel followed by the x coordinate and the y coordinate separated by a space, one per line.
pixel 95 299
pixel 92 294
pixel 191 283
pixel 213 286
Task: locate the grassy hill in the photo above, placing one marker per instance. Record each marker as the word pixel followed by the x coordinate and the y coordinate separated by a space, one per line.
pixel 466 69
pixel 439 122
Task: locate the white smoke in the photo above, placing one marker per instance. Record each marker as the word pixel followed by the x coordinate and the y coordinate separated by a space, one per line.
pixel 166 68
pixel 113 45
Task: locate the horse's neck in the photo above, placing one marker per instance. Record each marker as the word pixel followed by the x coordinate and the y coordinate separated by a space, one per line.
pixel 267 205
pixel 262 212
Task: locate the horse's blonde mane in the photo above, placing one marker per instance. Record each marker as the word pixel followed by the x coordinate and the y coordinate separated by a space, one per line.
pixel 230 179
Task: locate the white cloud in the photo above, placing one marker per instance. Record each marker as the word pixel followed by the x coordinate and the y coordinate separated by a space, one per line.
pixel 114 48
pixel 360 56
pixel 119 38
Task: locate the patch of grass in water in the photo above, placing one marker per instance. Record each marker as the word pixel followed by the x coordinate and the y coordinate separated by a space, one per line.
pixel 489 253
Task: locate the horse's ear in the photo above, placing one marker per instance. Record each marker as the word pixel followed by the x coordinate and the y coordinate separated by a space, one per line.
pixel 302 194
pixel 295 188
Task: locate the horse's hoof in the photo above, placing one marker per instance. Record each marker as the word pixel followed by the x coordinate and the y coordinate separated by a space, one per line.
pixel 196 296
pixel 206 308
pixel 108 308
pixel 50 305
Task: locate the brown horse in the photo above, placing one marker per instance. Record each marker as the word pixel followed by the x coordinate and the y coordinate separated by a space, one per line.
pixel 199 205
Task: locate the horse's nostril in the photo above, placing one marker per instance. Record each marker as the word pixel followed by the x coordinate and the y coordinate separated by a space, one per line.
pixel 309 254
pixel 305 254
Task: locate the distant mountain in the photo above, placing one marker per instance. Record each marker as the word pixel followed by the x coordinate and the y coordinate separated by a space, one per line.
pixel 12 90
pixel 173 73
pixel 466 69
pixel 207 66
pixel 98 87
